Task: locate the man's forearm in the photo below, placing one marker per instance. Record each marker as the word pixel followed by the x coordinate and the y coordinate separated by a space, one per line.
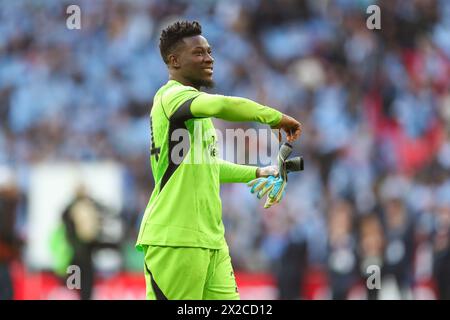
pixel 234 173
pixel 234 109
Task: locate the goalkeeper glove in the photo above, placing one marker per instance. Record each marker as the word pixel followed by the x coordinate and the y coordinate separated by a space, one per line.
pixel 272 185
pixel 277 186
pixel 277 192
pixel 262 185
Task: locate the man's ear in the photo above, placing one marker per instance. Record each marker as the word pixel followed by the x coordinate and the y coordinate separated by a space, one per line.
pixel 174 60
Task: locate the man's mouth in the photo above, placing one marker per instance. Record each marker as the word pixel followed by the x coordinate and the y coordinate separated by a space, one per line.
pixel 209 70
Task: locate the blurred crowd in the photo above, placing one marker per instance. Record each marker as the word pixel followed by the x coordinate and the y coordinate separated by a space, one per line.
pixel 374 104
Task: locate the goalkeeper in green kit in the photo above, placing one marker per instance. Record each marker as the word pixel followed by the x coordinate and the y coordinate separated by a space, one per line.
pixel 182 233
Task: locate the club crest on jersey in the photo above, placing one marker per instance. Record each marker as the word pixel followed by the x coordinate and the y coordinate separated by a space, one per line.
pixel 212 147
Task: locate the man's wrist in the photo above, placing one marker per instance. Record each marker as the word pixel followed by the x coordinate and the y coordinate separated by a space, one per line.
pixel 277 121
pixel 266 171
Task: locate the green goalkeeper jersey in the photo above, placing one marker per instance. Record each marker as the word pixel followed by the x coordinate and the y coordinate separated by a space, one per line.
pixel 185 207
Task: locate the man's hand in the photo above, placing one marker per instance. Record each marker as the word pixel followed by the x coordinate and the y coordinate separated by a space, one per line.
pixel 292 127
pixel 267 171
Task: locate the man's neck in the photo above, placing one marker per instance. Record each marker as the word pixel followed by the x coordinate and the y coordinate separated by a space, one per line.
pixel 183 81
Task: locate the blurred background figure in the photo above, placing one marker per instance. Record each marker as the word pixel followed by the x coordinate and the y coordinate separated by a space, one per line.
pixel 80 236
pixel 342 261
pixel 375 106
pixel 371 249
pixel 292 267
pixel 400 245
pixel 81 220
pixel 10 243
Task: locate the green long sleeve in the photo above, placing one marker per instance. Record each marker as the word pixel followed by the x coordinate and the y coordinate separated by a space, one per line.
pixel 233 173
pixel 233 109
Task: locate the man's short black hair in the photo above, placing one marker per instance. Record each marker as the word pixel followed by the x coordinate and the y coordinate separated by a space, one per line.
pixel 174 34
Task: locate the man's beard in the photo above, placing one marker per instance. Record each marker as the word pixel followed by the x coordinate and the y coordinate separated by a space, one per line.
pixel 204 83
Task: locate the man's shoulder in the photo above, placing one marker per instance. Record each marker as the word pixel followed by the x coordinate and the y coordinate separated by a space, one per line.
pixel 170 96
pixel 174 88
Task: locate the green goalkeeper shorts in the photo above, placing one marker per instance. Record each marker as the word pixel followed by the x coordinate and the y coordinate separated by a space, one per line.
pixel 184 273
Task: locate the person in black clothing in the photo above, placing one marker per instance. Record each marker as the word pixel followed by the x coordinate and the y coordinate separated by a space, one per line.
pixel 82 222
pixel 371 246
pixel 342 264
pixel 292 268
pixel 399 251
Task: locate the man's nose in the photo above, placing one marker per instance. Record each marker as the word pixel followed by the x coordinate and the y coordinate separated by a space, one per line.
pixel 209 58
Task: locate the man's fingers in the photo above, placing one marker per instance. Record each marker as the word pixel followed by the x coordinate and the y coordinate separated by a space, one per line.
pixel 261 184
pixel 256 184
pixel 293 135
pixel 298 132
pixel 290 137
pixel 288 134
pixel 264 191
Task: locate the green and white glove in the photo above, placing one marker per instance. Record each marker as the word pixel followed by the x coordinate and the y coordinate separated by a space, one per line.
pixel 275 185
pixel 262 185
pixel 265 180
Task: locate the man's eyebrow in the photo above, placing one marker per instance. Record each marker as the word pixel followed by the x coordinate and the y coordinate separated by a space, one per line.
pixel 200 47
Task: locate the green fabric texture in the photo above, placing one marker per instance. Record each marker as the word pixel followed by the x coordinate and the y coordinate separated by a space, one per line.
pixel 182 273
pixel 234 109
